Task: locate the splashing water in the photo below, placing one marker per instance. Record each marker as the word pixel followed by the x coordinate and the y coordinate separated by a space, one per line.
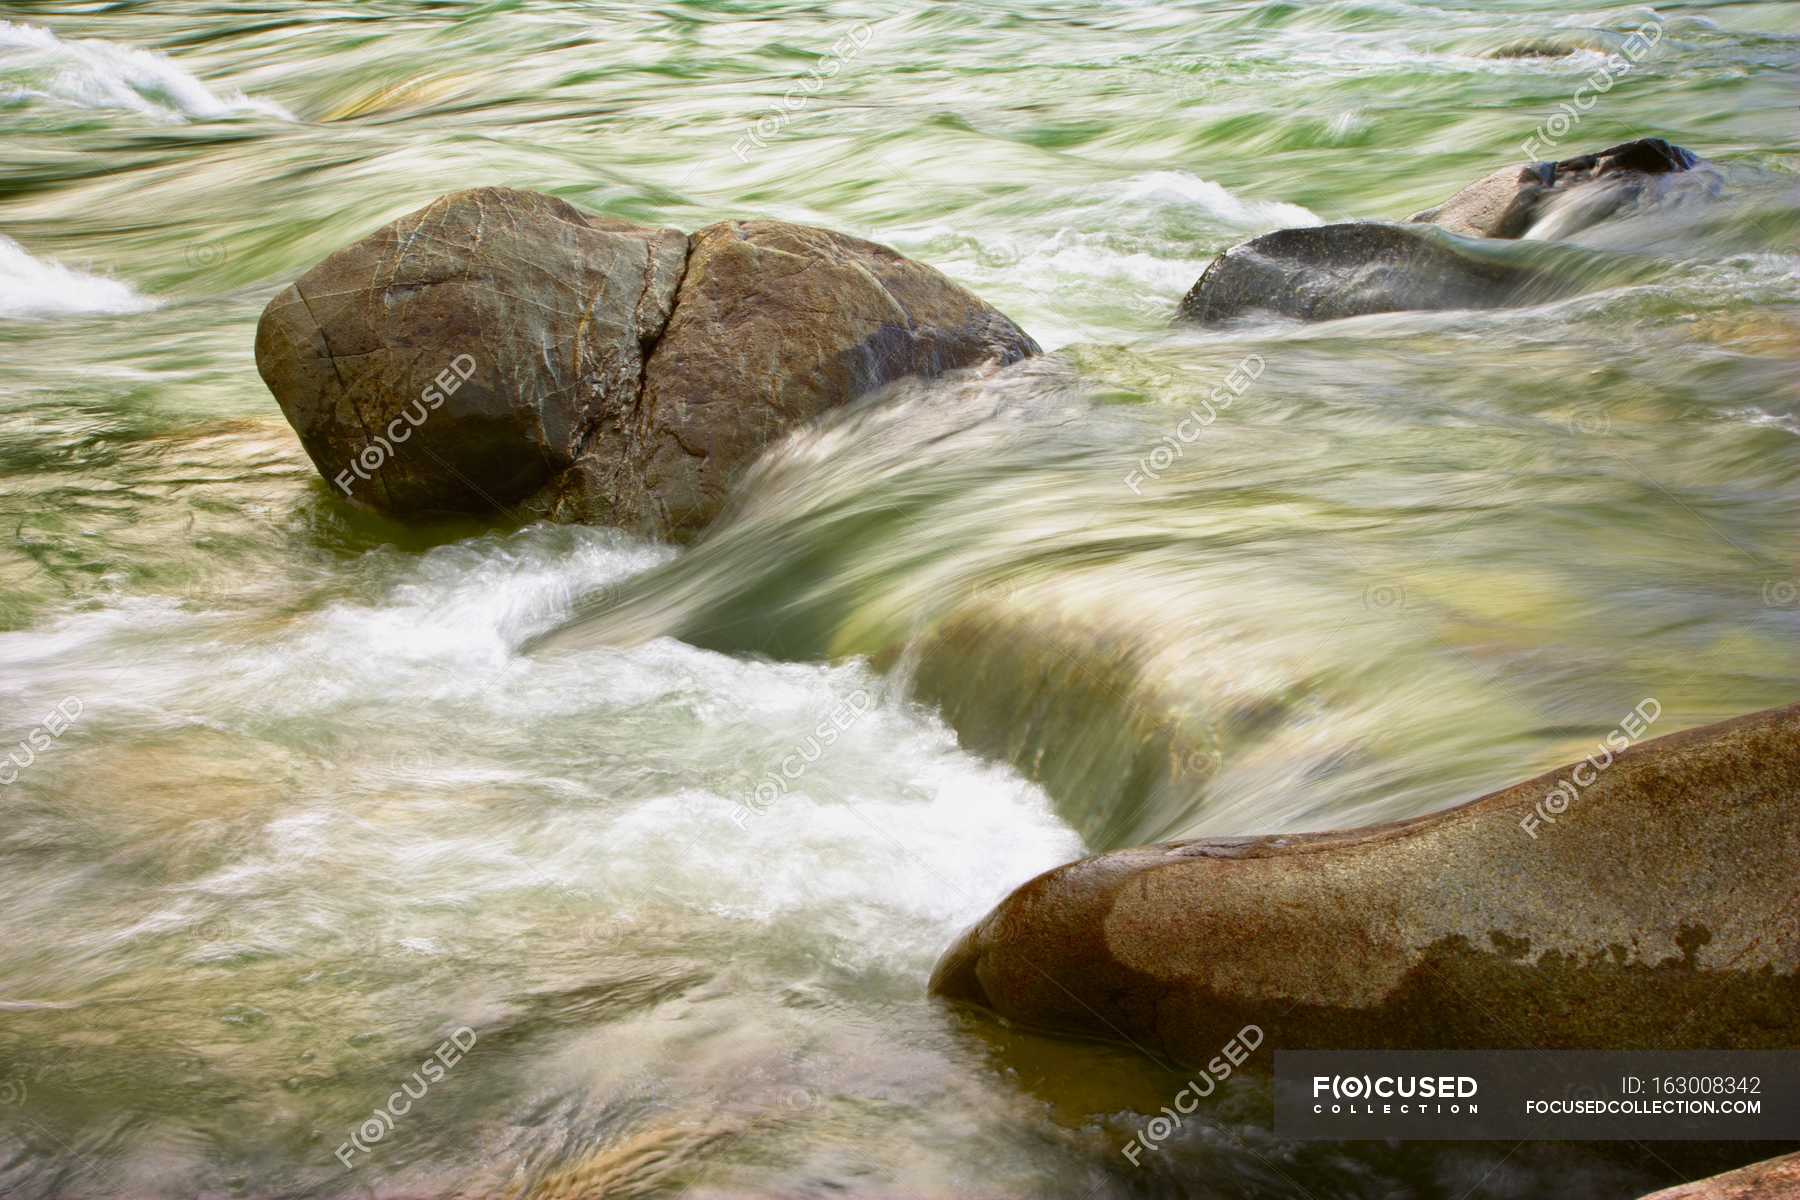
pixel 677 835
pixel 31 287
pixel 35 64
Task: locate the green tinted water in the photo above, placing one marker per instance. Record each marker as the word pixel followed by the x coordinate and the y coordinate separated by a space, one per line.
pixel 320 808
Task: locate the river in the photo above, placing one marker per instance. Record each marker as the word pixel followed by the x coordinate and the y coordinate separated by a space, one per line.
pixel 662 842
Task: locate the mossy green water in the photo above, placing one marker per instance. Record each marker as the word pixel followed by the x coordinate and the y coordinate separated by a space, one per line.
pixel 320 809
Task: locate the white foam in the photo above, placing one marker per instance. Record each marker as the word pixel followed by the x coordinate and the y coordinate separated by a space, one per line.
pixel 1346 125
pixel 436 751
pixel 32 287
pixel 1786 422
pixel 892 839
pixel 1135 244
pixel 104 75
pixel 1215 201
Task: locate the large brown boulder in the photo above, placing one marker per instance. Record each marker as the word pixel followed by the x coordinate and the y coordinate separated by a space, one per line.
pixel 1657 909
pixel 500 348
pixel 775 324
pixel 458 358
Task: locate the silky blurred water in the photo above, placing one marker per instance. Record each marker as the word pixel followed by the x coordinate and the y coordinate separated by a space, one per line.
pixel 678 835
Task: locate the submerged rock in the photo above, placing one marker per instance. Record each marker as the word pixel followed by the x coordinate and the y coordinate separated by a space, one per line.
pixel 1656 911
pixel 1358 268
pixel 1324 272
pixel 1496 206
pixel 1537 48
pixel 1515 201
pixel 501 348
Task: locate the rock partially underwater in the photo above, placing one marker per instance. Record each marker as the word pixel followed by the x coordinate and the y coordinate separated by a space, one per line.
pixel 1659 910
pixel 499 348
pixel 1324 272
pixel 774 324
pixel 458 358
pixel 1537 199
pixel 1437 259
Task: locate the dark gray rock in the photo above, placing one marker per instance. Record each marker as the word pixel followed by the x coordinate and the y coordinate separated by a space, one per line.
pixel 1358 268
pixel 1324 272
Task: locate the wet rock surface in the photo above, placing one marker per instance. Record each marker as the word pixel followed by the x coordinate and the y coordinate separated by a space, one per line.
pixel 1771 1179
pixel 1358 268
pixel 499 348
pixel 1325 272
pixel 774 324
pixel 459 357
pixel 1658 911
pixel 1508 202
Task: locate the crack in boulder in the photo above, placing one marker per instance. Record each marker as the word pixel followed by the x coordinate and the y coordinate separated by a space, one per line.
pixel 628 375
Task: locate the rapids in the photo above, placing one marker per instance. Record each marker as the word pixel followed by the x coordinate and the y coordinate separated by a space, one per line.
pixel 678 834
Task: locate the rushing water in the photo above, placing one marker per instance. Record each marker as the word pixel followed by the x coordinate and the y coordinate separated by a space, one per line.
pixel 335 789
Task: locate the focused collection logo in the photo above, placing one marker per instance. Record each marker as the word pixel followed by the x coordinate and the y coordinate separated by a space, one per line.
pixel 1361 1095
pixel 1539 1095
